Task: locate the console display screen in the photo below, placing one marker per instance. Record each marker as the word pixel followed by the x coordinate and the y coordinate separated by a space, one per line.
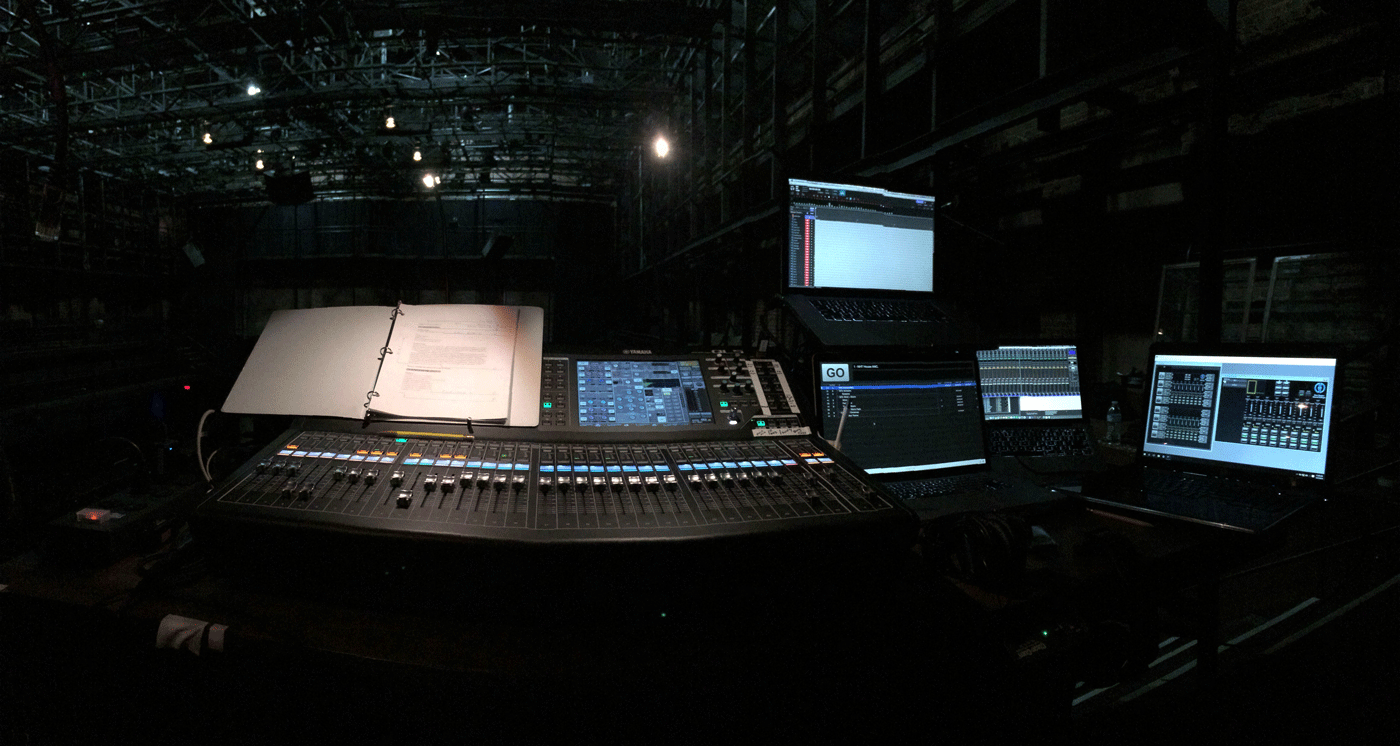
pixel 642 393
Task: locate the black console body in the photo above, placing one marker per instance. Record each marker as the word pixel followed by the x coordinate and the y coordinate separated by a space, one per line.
pixel 645 473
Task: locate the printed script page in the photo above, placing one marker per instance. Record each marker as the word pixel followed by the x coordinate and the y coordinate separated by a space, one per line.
pixel 449 362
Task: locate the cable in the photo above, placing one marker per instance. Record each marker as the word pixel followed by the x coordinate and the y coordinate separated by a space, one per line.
pixel 199 446
pixel 210 461
pixel 130 442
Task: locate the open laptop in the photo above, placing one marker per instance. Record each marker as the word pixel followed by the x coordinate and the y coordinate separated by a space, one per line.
pixel 1033 407
pixel 859 266
pixel 1235 437
pixel 914 423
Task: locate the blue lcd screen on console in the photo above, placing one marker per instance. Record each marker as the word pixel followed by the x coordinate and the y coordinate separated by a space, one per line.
pixel 642 393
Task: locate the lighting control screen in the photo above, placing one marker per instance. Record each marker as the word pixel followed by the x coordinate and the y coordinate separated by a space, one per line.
pixel 1265 412
pixel 642 393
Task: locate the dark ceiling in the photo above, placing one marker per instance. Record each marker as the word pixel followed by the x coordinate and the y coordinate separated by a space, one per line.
pixel 550 98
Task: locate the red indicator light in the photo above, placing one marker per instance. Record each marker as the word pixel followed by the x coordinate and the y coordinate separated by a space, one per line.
pixel 187 387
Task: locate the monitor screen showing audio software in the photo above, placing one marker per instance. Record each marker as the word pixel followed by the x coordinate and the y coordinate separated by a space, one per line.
pixel 645 393
pixel 903 416
pixel 1030 382
pixel 847 236
pixel 1253 411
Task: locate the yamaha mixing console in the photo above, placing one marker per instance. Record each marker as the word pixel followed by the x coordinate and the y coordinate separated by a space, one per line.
pixel 642 465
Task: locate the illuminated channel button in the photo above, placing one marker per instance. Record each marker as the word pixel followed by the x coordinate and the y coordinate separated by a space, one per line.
pixel 548 405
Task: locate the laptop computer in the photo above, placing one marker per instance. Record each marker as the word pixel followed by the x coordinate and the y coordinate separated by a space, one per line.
pixel 859 266
pixel 1033 407
pixel 914 423
pixel 1235 437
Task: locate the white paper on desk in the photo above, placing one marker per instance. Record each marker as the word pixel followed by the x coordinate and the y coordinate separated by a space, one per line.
pixel 450 362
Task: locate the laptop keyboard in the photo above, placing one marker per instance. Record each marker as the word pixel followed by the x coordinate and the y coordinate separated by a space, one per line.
pixel 1040 441
pixel 941 486
pixel 1198 487
pixel 866 309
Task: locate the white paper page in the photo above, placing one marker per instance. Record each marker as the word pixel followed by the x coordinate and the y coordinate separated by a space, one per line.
pixel 449 362
pixel 316 362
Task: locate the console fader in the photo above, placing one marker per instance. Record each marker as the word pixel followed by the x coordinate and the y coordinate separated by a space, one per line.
pixel 632 451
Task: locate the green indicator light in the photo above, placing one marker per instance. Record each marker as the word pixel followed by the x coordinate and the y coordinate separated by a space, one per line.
pixel 400 440
pixel 549 405
pixel 761 423
pixel 724 404
pixel 1045 633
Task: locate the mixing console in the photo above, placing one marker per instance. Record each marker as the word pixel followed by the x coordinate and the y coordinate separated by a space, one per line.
pixel 636 452
pixel 544 491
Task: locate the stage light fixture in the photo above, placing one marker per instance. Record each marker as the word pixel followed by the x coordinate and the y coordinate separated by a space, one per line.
pixel 661 147
pixel 253 88
pixel 208 139
pixel 389 122
pixel 430 181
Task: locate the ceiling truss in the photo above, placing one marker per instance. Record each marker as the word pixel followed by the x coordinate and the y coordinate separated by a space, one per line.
pixel 546 97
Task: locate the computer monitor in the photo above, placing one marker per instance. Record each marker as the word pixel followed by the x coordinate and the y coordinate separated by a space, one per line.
pixel 858 237
pixel 1030 382
pixel 1263 412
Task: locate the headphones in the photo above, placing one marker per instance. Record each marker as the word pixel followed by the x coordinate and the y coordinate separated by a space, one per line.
pixel 987 549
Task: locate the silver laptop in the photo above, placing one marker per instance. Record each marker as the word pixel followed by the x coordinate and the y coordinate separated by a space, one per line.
pixel 1034 408
pixel 1235 437
pixel 859 266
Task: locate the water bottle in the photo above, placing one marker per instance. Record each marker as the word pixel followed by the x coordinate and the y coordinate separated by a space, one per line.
pixel 1114 433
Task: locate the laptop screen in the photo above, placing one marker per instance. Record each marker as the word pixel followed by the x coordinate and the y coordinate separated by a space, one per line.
pixel 845 236
pixel 902 416
pixel 1030 382
pixel 1262 413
